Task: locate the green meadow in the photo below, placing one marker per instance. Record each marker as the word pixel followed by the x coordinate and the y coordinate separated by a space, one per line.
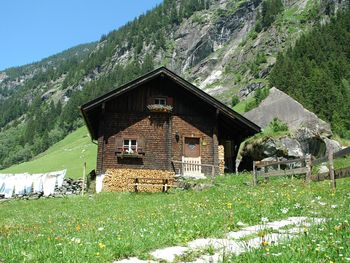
pixel 109 226
pixel 70 154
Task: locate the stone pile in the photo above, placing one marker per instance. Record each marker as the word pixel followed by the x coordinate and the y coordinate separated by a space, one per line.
pixel 70 187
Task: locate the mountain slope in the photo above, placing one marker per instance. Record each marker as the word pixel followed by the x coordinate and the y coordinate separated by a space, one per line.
pixel 70 153
pixel 227 47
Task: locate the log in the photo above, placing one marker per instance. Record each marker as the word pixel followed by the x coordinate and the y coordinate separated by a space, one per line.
pixel 123 180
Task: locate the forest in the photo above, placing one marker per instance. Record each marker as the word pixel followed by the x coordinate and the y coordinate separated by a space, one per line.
pixel 316 72
pixel 47 123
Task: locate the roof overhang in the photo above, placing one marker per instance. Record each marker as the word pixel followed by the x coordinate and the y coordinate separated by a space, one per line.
pixel 221 108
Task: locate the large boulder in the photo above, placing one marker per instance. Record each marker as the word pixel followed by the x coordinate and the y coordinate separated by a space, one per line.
pixel 279 105
pixel 308 133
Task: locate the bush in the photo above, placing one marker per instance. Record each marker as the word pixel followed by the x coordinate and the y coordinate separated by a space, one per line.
pixel 235 100
pixel 277 125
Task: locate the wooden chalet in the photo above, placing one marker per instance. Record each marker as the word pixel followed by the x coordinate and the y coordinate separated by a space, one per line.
pixel 160 121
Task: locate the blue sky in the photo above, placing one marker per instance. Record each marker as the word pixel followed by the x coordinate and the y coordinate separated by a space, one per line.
pixel 34 29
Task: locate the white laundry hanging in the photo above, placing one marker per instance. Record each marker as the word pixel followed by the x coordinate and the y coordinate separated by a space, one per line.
pixel 28 185
pixel 9 186
pixel 20 183
pixel 49 183
pixel 2 183
pixel 37 183
pixel 60 177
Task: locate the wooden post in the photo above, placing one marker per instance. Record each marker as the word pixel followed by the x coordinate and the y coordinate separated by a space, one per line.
pixel 213 171
pixel 84 174
pixel 308 167
pixel 166 185
pixel 331 168
pixel 254 174
pixel 266 178
pixel 136 184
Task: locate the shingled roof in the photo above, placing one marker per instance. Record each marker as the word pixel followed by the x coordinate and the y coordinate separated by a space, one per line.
pixel 91 109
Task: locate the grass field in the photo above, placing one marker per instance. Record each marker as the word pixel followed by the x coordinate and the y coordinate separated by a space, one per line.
pixel 70 154
pixel 109 226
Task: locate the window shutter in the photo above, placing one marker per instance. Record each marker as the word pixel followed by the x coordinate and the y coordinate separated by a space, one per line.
pixel 150 100
pixel 170 101
pixel 141 145
pixel 119 144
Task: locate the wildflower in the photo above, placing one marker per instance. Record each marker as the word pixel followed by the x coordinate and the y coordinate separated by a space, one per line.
pixel 100 229
pixel 97 254
pixel 337 227
pixel 318 197
pixel 76 240
pixel 101 245
pixel 264 219
pixel 322 203
pixel 229 205
pixel 264 243
pixel 284 210
pixel 78 227
pixel 334 206
pixel 297 206
pixel 276 254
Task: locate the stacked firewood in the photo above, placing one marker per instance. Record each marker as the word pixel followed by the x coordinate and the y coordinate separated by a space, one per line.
pixel 137 180
pixel 221 154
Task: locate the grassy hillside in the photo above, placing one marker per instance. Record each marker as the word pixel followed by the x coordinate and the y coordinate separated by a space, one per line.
pixel 108 226
pixel 70 154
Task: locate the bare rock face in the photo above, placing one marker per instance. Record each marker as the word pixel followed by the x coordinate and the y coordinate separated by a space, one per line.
pixel 279 104
pixel 309 134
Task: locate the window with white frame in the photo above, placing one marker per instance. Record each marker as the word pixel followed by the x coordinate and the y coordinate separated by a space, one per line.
pixel 160 101
pixel 130 146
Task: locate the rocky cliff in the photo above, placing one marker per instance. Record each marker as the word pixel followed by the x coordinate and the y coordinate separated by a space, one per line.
pixel 218 48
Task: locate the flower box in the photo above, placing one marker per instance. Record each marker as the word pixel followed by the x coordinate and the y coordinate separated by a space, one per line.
pixel 159 108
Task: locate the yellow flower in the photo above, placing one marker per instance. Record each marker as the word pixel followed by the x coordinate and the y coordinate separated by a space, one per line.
pixel 264 243
pixel 229 205
pixel 101 245
pixel 78 227
pixel 97 254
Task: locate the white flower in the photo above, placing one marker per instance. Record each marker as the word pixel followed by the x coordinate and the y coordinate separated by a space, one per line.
pixel 100 229
pixel 297 206
pixel 276 254
pixel 284 210
pixel 264 219
pixel 322 203
pixel 334 206
pixel 76 240
pixel 318 197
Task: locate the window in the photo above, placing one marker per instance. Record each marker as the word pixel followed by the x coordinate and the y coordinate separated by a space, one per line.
pixel 160 101
pixel 129 146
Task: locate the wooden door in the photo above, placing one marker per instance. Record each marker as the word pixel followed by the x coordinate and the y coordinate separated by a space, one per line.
pixel 192 147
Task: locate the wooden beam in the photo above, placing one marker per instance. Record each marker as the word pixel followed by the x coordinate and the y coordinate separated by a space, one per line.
pixel 302 170
pixel 331 168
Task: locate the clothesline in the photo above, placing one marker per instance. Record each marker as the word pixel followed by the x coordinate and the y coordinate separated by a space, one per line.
pixel 20 184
